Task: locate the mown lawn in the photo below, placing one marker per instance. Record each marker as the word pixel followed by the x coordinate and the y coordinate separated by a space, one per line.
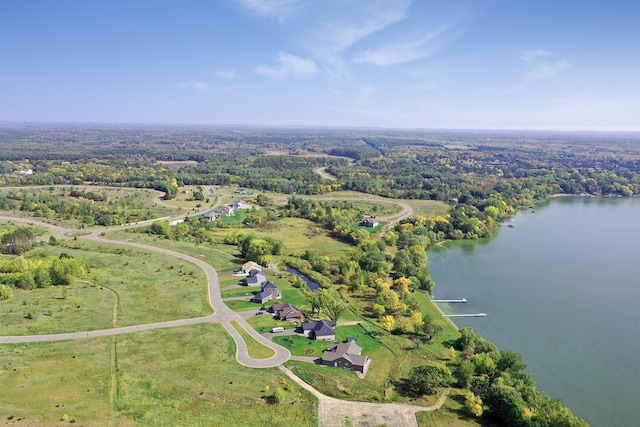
pixel 303 346
pixel 265 322
pixel 256 350
pixel 166 377
pixel 239 305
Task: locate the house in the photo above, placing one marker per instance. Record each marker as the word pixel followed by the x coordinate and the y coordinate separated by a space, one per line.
pixel 369 222
pixel 256 278
pixel 346 356
pixel 239 204
pixel 268 291
pixel 227 211
pixel 242 191
pixel 286 311
pixel 320 331
pixel 212 216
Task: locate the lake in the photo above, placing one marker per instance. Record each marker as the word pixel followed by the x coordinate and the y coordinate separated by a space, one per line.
pixel 561 287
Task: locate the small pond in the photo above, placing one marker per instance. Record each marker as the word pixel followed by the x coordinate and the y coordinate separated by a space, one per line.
pixel 313 286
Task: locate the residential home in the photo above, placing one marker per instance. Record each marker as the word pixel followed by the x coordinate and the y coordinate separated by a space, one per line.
pixel 212 216
pixel 239 204
pixel 227 211
pixel 242 191
pixel 347 356
pixel 320 331
pixel 370 222
pixel 256 278
pixel 247 267
pixel 268 291
pixel 286 311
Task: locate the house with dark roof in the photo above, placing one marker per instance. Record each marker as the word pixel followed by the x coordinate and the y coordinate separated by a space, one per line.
pixel 212 216
pixel 370 222
pixel 268 291
pixel 322 330
pixel 256 278
pixel 286 311
pixel 346 356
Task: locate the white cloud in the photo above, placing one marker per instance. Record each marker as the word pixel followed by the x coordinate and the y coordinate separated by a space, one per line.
pixel 199 86
pixel 289 65
pixel 540 68
pixel 529 56
pixel 202 86
pixel 547 70
pixel 279 9
pixel 352 22
pixel 226 74
pixel 400 52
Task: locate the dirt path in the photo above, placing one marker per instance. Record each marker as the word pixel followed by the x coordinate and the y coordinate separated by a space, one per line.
pixel 323 173
pixel 334 412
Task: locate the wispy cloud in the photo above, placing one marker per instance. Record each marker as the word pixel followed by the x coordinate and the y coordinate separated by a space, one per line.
pixel 199 86
pixel 278 9
pixel 401 52
pixel 351 22
pixel 289 65
pixel 529 56
pixel 226 74
pixel 539 68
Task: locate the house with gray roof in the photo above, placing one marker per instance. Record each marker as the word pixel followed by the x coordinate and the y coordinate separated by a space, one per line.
pixel 268 291
pixel 239 204
pixel 347 356
pixel 322 330
pixel 256 278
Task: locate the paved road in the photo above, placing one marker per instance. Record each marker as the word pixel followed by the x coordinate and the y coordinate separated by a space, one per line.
pixel 334 412
pixel 331 412
pixel 223 314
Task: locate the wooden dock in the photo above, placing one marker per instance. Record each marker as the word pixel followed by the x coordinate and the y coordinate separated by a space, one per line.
pixel 450 300
pixel 466 315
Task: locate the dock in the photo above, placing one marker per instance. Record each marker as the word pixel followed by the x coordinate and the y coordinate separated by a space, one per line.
pixel 450 300
pixel 466 315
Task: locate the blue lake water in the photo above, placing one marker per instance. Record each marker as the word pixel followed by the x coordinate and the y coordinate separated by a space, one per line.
pixel 561 288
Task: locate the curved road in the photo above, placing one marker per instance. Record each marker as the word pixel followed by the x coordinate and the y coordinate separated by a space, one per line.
pixel 223 314
pixel 331 411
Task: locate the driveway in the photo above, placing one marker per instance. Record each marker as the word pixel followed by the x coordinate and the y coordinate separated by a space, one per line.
pixel 334 412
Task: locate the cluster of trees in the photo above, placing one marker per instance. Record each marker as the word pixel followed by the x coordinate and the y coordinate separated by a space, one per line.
pixel 19 239
pixel 499 387
pixel 89 207
pixel 23 273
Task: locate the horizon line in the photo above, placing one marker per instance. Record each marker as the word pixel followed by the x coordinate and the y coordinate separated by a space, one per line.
pixel 321 127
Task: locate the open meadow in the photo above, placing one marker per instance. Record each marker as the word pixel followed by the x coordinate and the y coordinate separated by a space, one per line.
pixel 118 292
pixel 178 376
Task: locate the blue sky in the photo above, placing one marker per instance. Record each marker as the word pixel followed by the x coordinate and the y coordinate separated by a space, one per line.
pixel 478 64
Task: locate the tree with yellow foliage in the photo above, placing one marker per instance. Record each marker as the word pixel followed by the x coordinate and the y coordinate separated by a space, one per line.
pixel 388 322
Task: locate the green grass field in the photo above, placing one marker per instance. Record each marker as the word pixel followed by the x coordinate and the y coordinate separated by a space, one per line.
pixel 119 292
pixel 303 346
pixel 255 349
pixel 220 256
pixel 165 377
pixel 265 322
